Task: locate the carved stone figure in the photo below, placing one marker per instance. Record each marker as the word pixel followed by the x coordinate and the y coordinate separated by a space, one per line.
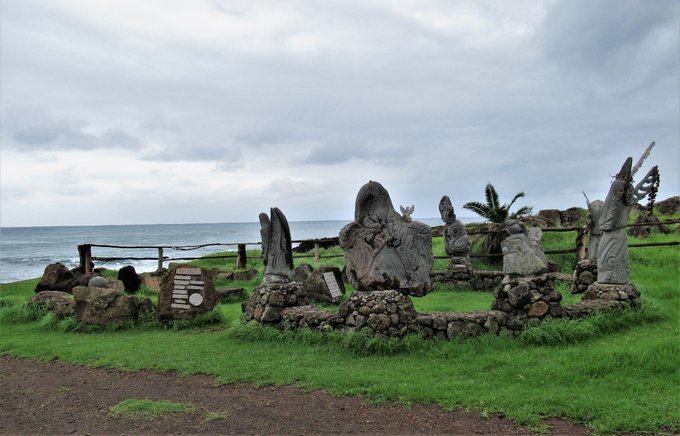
pixel 456 241
pixel 277 250
pixel 382 250
pixel 612 255
pixel 594 213
pixel 519 256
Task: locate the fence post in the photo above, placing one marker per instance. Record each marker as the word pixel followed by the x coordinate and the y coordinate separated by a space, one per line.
pixel 581 244
pixel 317 253
pixel 85 254
pixel 160 259
pixel 241 256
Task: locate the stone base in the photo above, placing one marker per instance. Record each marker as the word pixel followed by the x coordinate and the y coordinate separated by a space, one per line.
pixel 585 274
pixel 528 297
pixel 269 299
pixel 613 292
pixel 460 268
pixel 387 313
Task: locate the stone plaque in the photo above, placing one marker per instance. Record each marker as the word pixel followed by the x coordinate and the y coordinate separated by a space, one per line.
pixel 187 288
pixel 332 284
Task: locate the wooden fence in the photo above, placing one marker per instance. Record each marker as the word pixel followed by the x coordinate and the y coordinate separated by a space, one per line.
pixel 86 258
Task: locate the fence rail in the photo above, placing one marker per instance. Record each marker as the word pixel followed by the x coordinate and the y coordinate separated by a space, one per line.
pixel 86 258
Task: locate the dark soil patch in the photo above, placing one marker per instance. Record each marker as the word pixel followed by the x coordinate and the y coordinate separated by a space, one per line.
pixel 58 398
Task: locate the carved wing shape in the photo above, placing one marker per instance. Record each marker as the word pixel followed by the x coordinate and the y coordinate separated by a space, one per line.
pixel 647 185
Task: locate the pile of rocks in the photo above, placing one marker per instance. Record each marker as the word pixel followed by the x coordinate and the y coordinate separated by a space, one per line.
pixel 268 300
pixel 310 316
pixel 585 275
pixel 451 325
pixel 387 313
pixel 474 281
pixel 528 297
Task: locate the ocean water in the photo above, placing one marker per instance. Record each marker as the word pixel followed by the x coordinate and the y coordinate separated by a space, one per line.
pixel 26 251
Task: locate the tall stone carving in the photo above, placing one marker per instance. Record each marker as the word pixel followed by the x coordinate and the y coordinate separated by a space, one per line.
pixel 384 251
pixel 277 250
pixel 519 256
pixel 612 254
pixel 594 213
pixel 456 241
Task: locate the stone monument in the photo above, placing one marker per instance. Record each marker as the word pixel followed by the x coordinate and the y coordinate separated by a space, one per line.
pixel 456 241
pixel 384 251
pixel 519 256
pixel 277 250
pixel 185 292
pixel 612 255
pixel 585 272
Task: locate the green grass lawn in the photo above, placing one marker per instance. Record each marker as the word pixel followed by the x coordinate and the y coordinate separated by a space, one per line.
pixel 615 373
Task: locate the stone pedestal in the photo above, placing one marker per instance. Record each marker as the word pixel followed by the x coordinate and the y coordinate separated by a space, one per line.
pixel 269 299
pixel 387 313
pixel 614 292
pixel 460 268
pixel 585 274
pixel 528 297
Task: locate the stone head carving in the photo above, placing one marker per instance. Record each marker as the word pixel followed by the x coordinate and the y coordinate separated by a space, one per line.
pixel 277 250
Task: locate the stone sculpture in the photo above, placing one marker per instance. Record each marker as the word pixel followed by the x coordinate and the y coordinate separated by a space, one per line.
pixel 456 241
pixel 519 256
pixel 612 254
pixel 594 213
pixel 384 251
pixel 277 250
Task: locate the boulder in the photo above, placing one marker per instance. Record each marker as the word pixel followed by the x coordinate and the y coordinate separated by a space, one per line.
pixel 185 292
pixel 552 217
pixel 129 277
pixel 573 216
pixel 324 284
pixel 244 275
pixel 384 250
pixel 103 306
pixel 58 302
pixel 58 278
pixel 302 272
pixel 227 295
pixel 668 206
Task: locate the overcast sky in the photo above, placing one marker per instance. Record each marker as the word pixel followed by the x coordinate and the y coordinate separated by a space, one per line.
pixel 121 112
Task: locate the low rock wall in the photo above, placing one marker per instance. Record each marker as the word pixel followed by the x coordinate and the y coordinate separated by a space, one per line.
pixel 476 281
pixel 518 302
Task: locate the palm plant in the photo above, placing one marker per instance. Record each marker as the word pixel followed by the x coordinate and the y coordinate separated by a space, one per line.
pixel 496 213
pixel 493 210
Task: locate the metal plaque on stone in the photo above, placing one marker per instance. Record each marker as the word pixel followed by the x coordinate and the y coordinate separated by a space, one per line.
pixel 187 288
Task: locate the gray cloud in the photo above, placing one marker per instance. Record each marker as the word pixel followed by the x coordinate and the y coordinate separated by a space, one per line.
pixel 31 129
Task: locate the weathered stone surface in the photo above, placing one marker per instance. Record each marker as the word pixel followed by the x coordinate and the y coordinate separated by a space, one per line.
pixel 585 274
pixel 383 251
pixel 573 216
pixel 612 256
pixel 98 282
pixel 302 272
pixel 551 217
pixel 185 292
pixel 386 313
pixel 456 241
pixel 130 278
pixel 244 275
pixel 668 206
pixel 613 291
pixel 275 295
pixel 58 302
pixel 277 250
pixel 59 278
pixel 648 224
pixel 538 309
pixel 519 257
pixel 103 306
pixel 594 232
pixel 316 287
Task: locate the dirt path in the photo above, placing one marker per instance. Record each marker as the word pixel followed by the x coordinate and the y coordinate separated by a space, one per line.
pixel 58 398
